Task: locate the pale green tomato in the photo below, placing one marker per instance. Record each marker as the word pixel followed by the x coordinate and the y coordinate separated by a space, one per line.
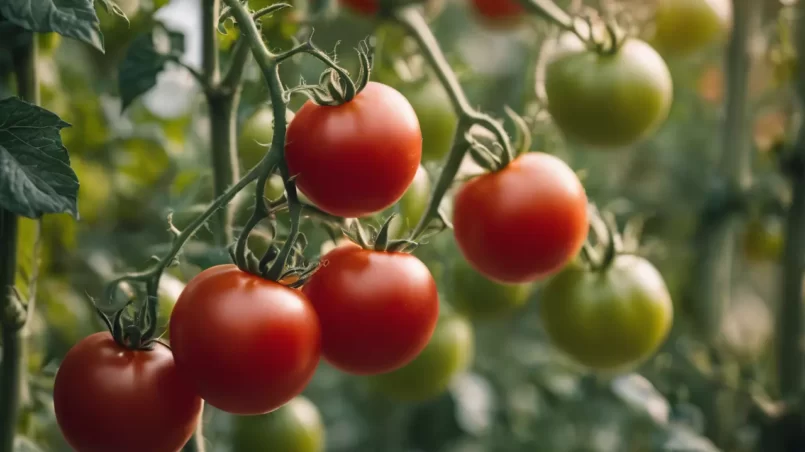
pixel 296 427
pixel 256 136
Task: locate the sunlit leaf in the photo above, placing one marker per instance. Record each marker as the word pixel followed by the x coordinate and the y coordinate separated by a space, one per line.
pixel 145 59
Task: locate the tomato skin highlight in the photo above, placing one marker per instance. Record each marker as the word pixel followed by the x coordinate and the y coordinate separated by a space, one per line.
pixel 607 101
pixel 109 398
pixel 358 158
pixel 449 352
pixel 247 344
pixel 524 222
pixel 608 320
pixel 377 309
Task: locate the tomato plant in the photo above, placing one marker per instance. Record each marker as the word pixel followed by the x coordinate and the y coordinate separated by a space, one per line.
pixel 448 353
pixel 610 318
pixel 703 21
pixel 107 397
pixel 357 158
pixel 607 99
pixel 296 427
pixel 523 222
pixel 763 239
pixel 499 13
pixel 377 309
pixel 480 298
pixel 436 117
pixel 248 345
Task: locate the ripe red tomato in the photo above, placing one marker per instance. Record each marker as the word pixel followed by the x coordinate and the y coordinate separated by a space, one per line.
pixel 108 398
pixel 358 158
pixel 248 345
pixel 499 12
pixel 368 7
pixel 523 222
pixel 377 309
pixel 607 100
pixel 608 320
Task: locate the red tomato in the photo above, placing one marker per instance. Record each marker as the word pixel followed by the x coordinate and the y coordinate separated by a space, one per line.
pixel 358 158
pixel 523 222
pixel 377 309
pixel 248 344
pixel 110 398
pixel 362 6
pixel 499 12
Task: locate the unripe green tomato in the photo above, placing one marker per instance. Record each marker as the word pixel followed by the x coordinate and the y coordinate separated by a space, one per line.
pixel 48 42
pixel 256 136
pixel 169 290
pixel 607 100
pixel 449 352
pixel 608 320
pixel 682 27
pixel 412 205
pixel 482 299
pixel 764 239
pixel 296 427
pixel 437 120
pixel 275 188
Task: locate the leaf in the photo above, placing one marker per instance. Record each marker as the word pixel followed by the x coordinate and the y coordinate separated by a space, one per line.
pixel 111 8
pixel 73 18
pixel 35 173
pixel 144 60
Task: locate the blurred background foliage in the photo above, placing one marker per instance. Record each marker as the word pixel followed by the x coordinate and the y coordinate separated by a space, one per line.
pixel 519 394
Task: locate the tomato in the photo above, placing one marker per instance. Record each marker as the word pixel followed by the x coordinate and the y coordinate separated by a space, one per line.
pixel 764 239
pixel 608 319
pixel 249 345
pixel 449 352
pixel 499 13
pixel 523 222
pixel 170 289
pixel 607 100
pixel 377 309
pixel 48 42
pixel 358 158
pixel 682 27
pixel 296 427
pixel 107 397
pixel 437 119
pixel 480 298
pixel 256 136
pixel 368 7
pixel 412 205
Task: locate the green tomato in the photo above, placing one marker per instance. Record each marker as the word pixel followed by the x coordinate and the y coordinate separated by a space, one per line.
pixel 608 320
pixel 48 42
pixel 607 100
pixel 412 206
pixel 449 352
pixel 480 298
pixel 296 427
pixel 683 27
pixel 437 120
pixel 764 239
pixel 168 292
pixel 256 135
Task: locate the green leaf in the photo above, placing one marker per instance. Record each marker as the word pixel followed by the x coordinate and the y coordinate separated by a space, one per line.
pixel 35 173
pixel 72 18
pixel 144 60
pixel 111 8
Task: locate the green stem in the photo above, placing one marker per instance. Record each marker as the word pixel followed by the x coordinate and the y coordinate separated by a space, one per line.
pixel 790 357
pixel 712 277
pixel 12 367
pixel 414 22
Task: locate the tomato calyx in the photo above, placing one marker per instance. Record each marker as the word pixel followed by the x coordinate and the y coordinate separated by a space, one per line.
pixel 296 271
pixel 334 89
pixel 380 239
pixel 132 332
pixel 602 37
pixel 610 242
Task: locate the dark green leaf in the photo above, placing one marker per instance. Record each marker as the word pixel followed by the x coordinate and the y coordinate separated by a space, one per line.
pixel 35 173
pixel 144 60
pixel 73 18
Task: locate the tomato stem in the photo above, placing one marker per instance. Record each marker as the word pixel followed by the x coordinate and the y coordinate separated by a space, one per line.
pixel 12 315
pixel 415 24
pixel 549 10
pixel 791 359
